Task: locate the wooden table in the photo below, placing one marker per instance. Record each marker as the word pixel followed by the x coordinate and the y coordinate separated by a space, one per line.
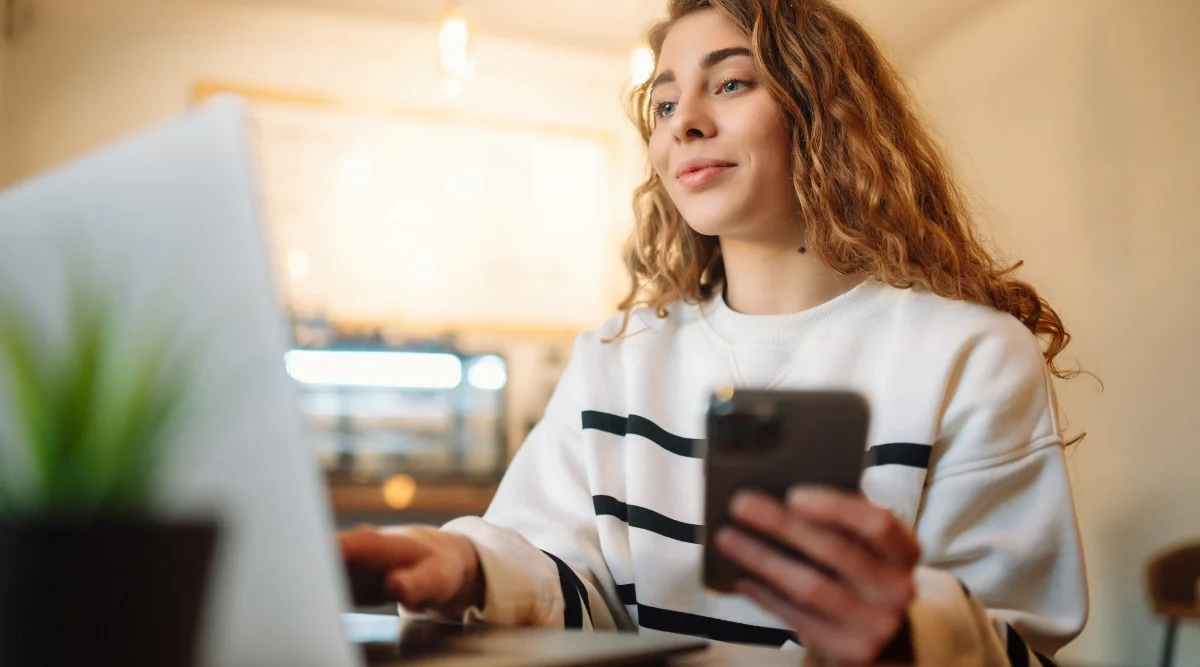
pixel 715 655
pixel 726 655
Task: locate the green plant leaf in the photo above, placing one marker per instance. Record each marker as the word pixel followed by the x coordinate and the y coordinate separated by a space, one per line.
pixel 152 427
pixel 97 414
pixel 138 401
pixel 129 452
pixel 29 394
pixel 6 500
pixel 75 486
pixel 118 387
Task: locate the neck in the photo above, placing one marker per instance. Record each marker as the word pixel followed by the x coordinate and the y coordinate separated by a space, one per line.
pixel 772 278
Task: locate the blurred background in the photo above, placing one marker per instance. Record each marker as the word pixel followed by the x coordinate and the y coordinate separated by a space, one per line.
pixel 447 188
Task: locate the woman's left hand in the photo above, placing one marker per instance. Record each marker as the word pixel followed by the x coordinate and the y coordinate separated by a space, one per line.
pixel 853 603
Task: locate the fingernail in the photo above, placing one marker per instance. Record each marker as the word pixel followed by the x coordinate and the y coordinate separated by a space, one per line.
pixel 727 538
pixel 797 495
pixel 742 504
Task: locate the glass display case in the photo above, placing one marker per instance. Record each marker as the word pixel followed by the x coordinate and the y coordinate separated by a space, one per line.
pixel 379 414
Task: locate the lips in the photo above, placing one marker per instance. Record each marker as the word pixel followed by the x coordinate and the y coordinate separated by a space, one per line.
pixel 701 171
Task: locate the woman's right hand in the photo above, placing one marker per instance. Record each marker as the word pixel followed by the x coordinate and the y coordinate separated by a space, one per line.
pixel 421 567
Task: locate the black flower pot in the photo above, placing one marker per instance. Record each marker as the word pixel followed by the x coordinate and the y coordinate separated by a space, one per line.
pixel 108 592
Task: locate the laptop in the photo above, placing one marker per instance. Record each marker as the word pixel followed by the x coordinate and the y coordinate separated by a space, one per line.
pixel 166 228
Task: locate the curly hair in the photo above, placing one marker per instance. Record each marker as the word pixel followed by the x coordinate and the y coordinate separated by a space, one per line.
pixel 876 194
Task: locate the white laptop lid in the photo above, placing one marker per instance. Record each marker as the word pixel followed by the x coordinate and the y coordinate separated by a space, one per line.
pixel 165 227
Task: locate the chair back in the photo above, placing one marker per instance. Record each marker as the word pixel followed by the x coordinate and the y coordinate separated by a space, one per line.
pixel 1173 579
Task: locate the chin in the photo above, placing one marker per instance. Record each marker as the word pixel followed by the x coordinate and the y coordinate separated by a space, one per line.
pixel 707 224
pixel 714 213
pixel 731 214
pixel 705 215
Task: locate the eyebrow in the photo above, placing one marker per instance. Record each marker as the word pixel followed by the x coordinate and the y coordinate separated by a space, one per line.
pixel 709 61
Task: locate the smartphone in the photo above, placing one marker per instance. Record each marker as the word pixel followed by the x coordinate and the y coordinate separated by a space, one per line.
pixel 769 441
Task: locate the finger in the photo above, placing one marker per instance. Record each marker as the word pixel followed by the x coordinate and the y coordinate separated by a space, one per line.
pixel 799 583
pixel 369 548
pixel 877 581
pixel 425 585
pixel 878 528
pixel 821 635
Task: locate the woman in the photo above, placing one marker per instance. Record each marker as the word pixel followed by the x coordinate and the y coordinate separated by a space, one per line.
pixel 798 229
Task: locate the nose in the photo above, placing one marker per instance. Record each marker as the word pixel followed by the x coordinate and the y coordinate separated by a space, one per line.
pixel 692 120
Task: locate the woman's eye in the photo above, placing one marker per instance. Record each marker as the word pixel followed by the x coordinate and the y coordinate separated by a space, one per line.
pixel 732 86
pixel 664 109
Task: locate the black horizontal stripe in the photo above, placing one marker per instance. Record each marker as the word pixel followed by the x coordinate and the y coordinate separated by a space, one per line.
pixel 646 519
pixel 627 594
pixel 900 454
pixel 576 582
pixel 909 454
pixel 640 426
pixel 681 623
pixel 583 595
pixel 1018 653
pixel 572 610
pixel 966 591
pixel 603 421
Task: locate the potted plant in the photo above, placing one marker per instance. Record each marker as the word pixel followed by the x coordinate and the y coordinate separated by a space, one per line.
pixel 89 574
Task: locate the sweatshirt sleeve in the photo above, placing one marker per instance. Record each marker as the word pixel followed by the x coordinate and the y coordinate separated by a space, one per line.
pixel 1001 581
pixel 537 542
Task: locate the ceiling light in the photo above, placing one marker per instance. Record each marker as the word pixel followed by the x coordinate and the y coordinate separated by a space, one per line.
pixel 453 43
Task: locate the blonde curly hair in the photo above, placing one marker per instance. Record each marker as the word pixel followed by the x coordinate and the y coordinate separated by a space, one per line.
pixel 876 194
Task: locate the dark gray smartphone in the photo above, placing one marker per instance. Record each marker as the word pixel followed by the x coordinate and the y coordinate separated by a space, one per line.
pixel 769 441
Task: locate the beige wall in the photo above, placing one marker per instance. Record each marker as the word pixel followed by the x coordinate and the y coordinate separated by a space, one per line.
pixel 84 73
pixel 87 72
pixel 1077 125
pixel 90 71
pixel 4 155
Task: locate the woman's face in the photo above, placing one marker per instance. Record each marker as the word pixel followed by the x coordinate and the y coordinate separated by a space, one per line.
pixel 720 144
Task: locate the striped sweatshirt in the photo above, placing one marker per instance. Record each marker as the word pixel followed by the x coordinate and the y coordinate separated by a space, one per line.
pixel 598 522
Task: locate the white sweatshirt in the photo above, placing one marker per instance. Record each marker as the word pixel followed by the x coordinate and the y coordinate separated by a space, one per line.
pixel 597 522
